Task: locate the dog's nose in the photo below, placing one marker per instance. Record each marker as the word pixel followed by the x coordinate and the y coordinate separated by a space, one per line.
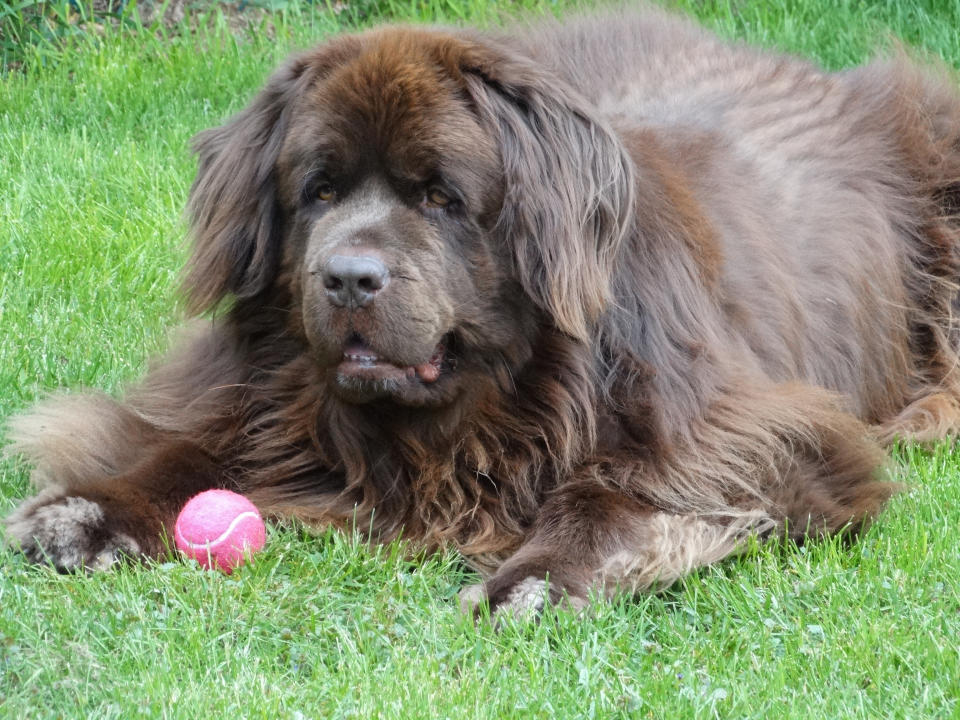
pixel 354 279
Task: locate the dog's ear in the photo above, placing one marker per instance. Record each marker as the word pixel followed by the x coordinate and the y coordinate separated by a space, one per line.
pixel 234 210
pixel 569 184
pixel 233 202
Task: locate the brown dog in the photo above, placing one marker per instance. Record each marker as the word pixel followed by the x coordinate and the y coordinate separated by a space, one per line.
pixel 593 302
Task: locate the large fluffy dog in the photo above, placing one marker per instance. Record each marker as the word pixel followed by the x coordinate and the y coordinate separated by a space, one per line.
pixel 594 302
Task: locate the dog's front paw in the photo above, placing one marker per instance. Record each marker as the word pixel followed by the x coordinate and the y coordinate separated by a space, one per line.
pixel 523 599
pixel 68 532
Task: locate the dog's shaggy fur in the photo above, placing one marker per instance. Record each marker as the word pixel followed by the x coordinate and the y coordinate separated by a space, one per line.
pixel 593 301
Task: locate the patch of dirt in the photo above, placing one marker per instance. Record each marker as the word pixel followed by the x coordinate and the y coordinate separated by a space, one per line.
pixel 171 14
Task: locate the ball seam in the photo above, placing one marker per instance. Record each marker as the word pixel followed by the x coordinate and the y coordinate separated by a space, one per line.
pixel 211 544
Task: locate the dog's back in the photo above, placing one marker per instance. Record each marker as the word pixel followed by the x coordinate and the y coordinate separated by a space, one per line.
pixel 832 198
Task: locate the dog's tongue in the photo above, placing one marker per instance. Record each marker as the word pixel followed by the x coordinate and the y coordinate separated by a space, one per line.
pixel 426 372
pixel 430 370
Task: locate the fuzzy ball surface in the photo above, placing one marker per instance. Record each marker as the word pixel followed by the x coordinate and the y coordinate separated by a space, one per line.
pixel 219 529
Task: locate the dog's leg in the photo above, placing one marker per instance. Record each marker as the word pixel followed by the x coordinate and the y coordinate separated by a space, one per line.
pixel 928 419
pixel 594 538
pixel 111 484
pixel 93 525
pixel 786 462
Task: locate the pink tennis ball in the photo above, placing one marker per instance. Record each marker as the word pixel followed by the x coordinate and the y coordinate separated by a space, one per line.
pixel 219 529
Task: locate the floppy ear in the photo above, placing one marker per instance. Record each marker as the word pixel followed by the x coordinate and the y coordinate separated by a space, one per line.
pixel 233 202
pixel 234 213
pixel 569 184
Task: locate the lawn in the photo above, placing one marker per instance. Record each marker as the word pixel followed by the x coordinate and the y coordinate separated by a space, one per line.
pixel 94 172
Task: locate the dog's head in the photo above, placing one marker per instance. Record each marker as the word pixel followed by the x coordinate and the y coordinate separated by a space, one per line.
pixel 430 201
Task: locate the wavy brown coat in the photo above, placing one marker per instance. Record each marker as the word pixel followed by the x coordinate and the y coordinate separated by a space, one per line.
pixel 674 293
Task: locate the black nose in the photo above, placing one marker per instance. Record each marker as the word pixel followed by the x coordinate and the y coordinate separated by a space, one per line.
pixel 354 279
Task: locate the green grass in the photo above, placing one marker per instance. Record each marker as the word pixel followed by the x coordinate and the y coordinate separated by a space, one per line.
pixel 94 172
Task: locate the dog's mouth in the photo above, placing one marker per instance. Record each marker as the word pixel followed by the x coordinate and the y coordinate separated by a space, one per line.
pixel 361 364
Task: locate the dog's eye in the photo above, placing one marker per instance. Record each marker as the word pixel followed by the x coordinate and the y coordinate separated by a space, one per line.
pixel 437 198
pixel 326 193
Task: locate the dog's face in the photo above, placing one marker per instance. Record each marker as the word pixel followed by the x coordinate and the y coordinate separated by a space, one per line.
pixel 391 187
pixel 425 209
